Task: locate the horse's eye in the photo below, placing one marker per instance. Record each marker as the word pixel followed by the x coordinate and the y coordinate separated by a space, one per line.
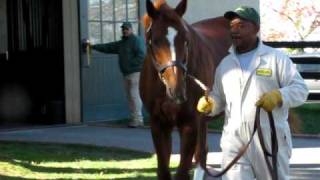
pixel 156 42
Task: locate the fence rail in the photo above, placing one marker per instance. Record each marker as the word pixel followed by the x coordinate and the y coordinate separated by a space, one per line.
pixel 304 60
pixel 294 44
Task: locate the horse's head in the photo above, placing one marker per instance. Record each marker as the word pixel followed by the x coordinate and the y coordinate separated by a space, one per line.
pixel 167 39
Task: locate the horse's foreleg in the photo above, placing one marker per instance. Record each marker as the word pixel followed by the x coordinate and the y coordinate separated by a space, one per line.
pixel 188 138
pixel 202 146
pixel 162 143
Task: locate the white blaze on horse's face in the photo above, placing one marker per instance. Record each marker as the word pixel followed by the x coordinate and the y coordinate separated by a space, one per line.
pixel 175 85
pixel 171 36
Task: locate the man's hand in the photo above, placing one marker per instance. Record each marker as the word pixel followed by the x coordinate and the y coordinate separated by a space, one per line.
pixel 270 100
pixel 86 45
pixel 205 104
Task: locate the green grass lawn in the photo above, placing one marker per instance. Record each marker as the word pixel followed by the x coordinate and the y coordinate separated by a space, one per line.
pixel 309 115
pixel 56 161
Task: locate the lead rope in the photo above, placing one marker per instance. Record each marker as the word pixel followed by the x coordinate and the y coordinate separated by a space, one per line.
pixel 272 166
pixel 201 85
pixel 257 127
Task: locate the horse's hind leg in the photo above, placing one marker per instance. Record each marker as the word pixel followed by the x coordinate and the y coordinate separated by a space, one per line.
pixel 188 138
pixel 162 142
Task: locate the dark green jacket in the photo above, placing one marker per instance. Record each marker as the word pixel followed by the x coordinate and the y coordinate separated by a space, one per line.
pixel 131 51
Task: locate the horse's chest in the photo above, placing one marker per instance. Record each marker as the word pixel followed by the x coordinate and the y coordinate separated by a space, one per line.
pixel 170 110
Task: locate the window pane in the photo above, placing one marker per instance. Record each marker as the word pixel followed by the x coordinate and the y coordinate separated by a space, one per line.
pixel 108 35
pixel 120 10
pixel 94 32
pixel 133 10
pixel 107 10
pixel 94 10
pixel 118 31
pixel 114 13
pixel 135 27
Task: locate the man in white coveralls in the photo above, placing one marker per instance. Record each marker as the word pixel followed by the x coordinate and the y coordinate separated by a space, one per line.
pixel 253 75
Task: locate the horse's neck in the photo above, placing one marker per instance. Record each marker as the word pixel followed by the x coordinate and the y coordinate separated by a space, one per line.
pixel 198 49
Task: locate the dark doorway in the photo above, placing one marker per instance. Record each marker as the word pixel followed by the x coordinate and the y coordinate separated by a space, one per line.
pixel 32 71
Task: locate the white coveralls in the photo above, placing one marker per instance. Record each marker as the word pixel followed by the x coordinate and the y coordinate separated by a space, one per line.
pixel 236 93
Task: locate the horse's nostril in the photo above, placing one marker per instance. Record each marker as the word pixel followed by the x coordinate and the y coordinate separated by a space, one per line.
pixel 180 98
pixel 170 93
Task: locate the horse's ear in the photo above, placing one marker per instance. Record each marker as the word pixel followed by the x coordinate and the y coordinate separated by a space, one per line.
pixel 181 8
pixel 151 10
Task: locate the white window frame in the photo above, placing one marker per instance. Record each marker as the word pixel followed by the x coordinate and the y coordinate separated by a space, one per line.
pixel 115 23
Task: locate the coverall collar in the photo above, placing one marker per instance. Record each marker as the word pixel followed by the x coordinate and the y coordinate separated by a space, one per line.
pixel 260 49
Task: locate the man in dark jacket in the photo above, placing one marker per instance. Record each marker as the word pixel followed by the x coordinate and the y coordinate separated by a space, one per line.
pixel 131 50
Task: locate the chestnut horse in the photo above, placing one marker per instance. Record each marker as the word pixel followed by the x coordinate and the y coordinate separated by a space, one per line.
pixel 176 52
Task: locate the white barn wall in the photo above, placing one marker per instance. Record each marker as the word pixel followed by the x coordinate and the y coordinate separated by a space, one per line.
pixel 202 9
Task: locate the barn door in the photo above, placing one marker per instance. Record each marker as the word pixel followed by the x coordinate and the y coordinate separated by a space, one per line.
pixel 31 62
pixel 103 96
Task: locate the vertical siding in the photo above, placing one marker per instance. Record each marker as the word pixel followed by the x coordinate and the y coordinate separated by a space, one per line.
pixel 35 25
pixel 103 95
pixel 3 27
pixel 103 89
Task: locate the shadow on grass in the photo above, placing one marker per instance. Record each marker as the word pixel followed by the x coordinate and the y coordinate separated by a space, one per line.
pixel 3 177
pixel 129 178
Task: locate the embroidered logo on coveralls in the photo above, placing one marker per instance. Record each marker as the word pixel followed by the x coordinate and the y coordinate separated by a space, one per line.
pixel 264 72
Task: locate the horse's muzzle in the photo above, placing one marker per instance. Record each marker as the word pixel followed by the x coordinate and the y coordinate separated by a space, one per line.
pixel 178 97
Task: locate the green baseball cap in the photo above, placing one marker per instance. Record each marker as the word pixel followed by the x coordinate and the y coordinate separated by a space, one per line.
pixel 244 12
pixel 126 25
